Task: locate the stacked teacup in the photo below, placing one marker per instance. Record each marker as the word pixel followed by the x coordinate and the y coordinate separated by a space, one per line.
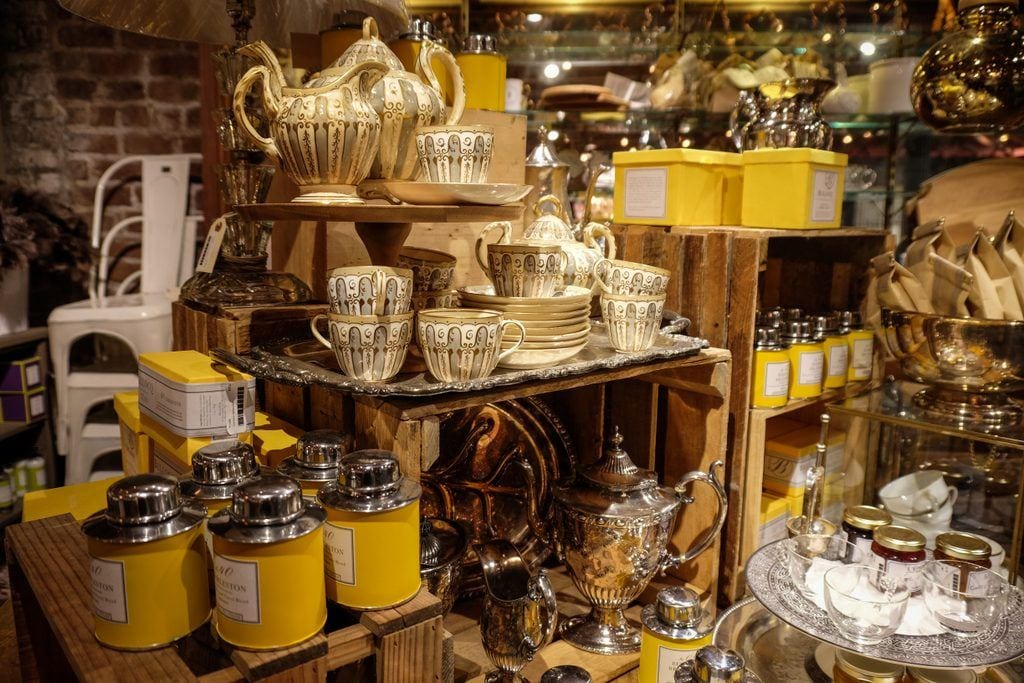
pixel 370 323
pixel 632 302
pixel 432 275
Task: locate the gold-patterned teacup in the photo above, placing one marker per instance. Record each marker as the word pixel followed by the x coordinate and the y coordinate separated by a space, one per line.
pixel 455 154
pixel 422 300
pixel 459 344
pixel 524 268
pixel 432 270
pixel 627 277
pixel 369 290
pixel 371 348
pixel 632 320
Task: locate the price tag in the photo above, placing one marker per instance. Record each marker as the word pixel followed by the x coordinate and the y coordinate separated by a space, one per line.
pixel 211 247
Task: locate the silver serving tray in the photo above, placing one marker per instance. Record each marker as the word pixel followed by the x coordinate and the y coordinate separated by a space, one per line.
pixel 306 363
pixel 769 582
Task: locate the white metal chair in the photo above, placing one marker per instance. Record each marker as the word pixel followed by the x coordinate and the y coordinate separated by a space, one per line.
pixel 141 321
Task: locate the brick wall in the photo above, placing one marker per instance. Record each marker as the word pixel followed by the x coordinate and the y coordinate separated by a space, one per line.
pixel 76 96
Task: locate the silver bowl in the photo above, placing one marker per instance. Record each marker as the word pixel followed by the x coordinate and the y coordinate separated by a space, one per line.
pixel 969 365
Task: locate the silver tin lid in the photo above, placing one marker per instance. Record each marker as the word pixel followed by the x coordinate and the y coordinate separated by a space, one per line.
pixel 714 664
pixel 267 510
pixel 849 320
pixel 824 326
pixel 218 467
pixel 771 317
pixel 768 339
pixel 441 543
pixel 369 480
pixel 566 673
pixel 317 454
pixel 143 508
pixel 792 314
pixel 543 155
pixel 419 30
pixel 479 44
pixel 796 331
pixel 677 614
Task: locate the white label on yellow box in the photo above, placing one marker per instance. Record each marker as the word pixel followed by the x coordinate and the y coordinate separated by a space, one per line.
pixel 109 598
pixel 812 364
pixel 669 660
pixel 198 409
pixel 825 194
pixel 238 589
pixel 645 192
pixel 776 378
pixel 340 554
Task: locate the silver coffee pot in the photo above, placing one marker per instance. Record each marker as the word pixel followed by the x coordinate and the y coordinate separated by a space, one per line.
pixel 611 527
pixel 783 114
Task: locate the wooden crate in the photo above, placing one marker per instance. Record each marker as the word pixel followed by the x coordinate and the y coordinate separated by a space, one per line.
pixel 721 276
pixel 237 328
pixel 52 609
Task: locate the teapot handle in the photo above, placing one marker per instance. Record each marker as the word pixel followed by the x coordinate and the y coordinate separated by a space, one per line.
pixel 548 199
pixel 594 230
pixel 707 538
pixel 266 145
pixel 481 249
pixel 425 70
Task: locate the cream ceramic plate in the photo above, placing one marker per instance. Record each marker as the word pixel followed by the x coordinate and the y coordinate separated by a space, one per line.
pixel 534 329
pixel 526 359
pixel 512 336
pixel 534 316
pixel 491 194
pixel 572 296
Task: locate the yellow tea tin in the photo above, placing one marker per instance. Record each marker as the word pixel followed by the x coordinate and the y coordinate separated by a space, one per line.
pixel 268 554
pixel 770 383
pixel 861 343
pixel 147 565
pixel 834 345
pixel 483 72
pixel 316 458
pixel 217 468
pixel 675 627
pixel 806 358
pixel 372 537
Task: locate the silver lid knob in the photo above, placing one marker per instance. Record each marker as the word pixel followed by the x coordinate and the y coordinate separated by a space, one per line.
pixel 566 673
pixel 792 314
pixel 419 30
pixel 480 43
pixel 143 499
pixel 322 448
pixel 273 499
pixel 767 338
pixel 679 607
pixel 369 473
pixel 224 462
pixel 796 331
pixel 713 664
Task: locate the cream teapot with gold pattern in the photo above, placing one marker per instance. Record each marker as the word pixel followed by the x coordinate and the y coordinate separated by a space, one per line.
pixel 402 99
pixel 551 226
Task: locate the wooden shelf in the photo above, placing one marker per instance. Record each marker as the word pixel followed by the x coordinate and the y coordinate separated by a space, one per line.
pixel 828 396
pixel 375 212
pixel 33 335
pixel 809 233
pixel 9 429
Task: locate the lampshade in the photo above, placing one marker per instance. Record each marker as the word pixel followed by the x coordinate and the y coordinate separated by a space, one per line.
pixel 207 21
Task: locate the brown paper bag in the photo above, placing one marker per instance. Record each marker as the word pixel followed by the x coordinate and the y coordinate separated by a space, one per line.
pixel 928 239
pixel 1009 243
pixel 951 286
pixel 992 292
pixel 898 288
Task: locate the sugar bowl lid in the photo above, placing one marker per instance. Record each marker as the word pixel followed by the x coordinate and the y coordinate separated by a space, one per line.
pixel 677 614
pixel 267 510
pixel 143 508
pixel 441 543
pixel 317 454
pixel 218 467
pixel 369 480
pixel 616 471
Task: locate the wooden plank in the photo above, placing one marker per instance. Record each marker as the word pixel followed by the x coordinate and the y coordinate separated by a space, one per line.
pixel 303 662
pixel 378 427
pixel 348 645
pixel 413 654
pixel 423 607
pixel 330 409
pixel 632 407
pixel 379 212
pixel 286 402
pixel 581 410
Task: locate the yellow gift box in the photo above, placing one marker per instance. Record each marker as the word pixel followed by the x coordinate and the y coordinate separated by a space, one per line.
pixel 788 456
pixel 793 188
pixel 78 500
pixel 775 510
pixel 134 442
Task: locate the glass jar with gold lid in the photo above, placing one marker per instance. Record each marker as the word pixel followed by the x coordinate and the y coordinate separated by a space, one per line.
pixel 854 668
pixel 899 551
pixel 967 554
pixel 859 524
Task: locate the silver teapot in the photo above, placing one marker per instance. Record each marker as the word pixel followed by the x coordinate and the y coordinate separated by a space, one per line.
pixel 611 527
pixel 783 114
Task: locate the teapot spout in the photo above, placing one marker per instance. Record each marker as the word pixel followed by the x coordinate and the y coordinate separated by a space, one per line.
pixel 506 574
pixel 537 525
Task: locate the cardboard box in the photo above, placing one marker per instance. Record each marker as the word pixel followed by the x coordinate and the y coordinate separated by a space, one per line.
pixel 21 376
pixel 274 439
pixel 134 442
pixel 787 458
pixel 775 511
pixel 793 188
pixel 23 407
pixel 169 450
pixel 191 395
pixel 78 500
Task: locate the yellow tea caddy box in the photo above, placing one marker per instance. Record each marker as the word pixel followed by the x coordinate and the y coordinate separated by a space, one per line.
pixel 134 443
pixel 793 188
pixel 315 463
pixel 672 186
pixel 268 566
pixel 372 537
pixel 774 513
pixel 167 448
pixel 674 628
pixel 787 457
pixel 191 395
pixel 147 565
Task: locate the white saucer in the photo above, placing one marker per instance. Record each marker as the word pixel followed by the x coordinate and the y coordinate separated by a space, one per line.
pixel 491 194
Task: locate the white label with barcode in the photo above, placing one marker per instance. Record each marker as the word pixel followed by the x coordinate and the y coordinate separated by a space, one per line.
pixel 236 407
pixel 109 597
pixel 238 589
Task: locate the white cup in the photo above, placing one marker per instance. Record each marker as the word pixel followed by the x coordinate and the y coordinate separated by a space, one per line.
pixel 917 494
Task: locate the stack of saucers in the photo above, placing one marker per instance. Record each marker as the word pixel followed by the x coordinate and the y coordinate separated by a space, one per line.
pixel 557 327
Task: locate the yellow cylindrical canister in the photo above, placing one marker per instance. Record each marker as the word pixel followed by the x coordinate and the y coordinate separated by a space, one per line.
pixel 372 540
pixel 770 384
pixel 483 71
pixel 407 48
pixel 834 345
pixel 315 463
pixel 861 344
pixel 675 627
pixel 806 358
pixel 268 551
pixel 147 565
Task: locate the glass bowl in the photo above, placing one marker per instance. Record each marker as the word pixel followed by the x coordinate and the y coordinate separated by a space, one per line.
pixel 968 612
pixel 809 556
pixel 866 604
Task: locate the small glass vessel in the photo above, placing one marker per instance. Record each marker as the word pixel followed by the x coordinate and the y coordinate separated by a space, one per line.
pixel 972 81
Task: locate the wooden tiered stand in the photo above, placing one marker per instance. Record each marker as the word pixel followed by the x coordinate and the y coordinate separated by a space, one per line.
pixel 721 276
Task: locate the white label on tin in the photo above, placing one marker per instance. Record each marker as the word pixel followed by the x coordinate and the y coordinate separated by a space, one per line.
pixel 669 660
pixel 823 196
pixel 340 554
pixel 238 589
pixel 645 192
pixel 776 378
pixel 109 597
pixel 837 358
pixel 810 367
pixel 31 375
pixel 862 357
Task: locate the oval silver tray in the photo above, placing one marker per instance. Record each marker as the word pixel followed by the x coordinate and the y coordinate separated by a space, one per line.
pixel 768 580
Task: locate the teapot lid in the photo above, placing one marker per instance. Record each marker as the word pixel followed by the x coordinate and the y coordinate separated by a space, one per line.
pixel 615 471
pixel 368 48
pixel 441 542
pixel 543 155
